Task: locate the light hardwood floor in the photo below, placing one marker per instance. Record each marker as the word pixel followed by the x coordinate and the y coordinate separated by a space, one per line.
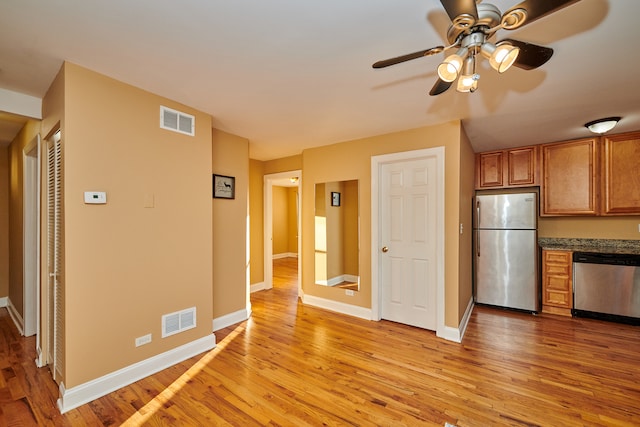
pixel 293 365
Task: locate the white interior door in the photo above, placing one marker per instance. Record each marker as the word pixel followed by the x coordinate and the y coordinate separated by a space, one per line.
pixel 408 230
pixel 31 248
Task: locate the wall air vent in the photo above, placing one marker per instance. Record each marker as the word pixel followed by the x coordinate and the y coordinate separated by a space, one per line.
pixel 177 121
pixel 178 321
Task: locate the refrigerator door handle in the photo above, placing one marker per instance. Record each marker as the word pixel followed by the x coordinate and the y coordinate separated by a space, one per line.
pixel 478 242
pixel 477 213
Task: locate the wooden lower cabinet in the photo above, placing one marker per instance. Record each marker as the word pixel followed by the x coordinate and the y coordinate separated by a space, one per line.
pixel 557 289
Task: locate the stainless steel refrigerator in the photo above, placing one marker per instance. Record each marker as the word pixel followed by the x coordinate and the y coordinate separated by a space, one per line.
pixel 506 250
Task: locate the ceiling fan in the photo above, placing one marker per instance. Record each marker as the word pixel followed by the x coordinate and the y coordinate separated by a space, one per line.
pixel 473 23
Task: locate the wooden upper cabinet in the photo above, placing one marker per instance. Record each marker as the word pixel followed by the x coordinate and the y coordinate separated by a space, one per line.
pixel 621 174
pixel 507 168
pixel 521 166
pixel 569 178
pixel 489 169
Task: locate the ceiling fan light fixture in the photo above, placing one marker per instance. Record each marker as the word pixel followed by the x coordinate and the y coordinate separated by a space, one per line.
pixel 504 57
pixel 601 126
pixel 468 81
pixel 500 57
pixel 449 69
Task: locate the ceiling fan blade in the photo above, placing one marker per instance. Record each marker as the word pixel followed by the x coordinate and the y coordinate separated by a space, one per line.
pixel 531 55
pixel 456 8
pixel 439 87
pixel 536 9
pixel 408 57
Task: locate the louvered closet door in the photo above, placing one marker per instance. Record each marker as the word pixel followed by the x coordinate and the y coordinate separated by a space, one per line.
pixel 55 305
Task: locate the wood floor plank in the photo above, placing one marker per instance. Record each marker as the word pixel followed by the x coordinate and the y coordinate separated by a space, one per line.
pixel 295 365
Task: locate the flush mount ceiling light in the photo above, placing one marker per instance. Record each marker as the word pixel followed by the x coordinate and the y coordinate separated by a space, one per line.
pixel 601 126
pixel 473 23
pixel 293 179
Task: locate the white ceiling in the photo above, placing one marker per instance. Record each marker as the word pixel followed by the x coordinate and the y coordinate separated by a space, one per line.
pixel 290 74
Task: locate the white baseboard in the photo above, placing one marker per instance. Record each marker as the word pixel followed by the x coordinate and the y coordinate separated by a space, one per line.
pixel 15 316
pixel 339 279
pixel 285 255
pixel 258 287
pixel 84 393
pixel 339 307
pixel 456 334
pixel 3 301
pixel 231 319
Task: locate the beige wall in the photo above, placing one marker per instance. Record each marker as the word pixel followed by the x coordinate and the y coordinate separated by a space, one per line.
pixel 4 221
pixel 256 225
pixel 16 212
pixel 467 185
pixel 230 156
pixel 352 160
pixel 280 218
pixel 623 227
pixel 285 164
pixel 126 263
pixel 292 220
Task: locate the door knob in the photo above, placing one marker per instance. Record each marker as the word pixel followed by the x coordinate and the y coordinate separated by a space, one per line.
pixel 385 249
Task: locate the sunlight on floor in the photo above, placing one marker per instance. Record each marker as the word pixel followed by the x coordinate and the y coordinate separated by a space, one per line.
pixel 147 411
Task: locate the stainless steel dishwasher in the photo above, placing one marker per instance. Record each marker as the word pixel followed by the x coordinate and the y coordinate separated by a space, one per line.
pixel 607 286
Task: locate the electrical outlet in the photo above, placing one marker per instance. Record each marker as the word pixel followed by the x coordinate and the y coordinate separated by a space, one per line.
pixel 349 292
pixel 146 339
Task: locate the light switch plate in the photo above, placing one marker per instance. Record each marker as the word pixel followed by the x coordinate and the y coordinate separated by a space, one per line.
pixel 95 197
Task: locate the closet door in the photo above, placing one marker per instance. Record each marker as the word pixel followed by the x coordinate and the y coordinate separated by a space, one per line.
pixel 55 288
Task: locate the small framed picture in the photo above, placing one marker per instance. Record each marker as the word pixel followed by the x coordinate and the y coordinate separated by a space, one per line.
pixel 224 187
pixel 335 198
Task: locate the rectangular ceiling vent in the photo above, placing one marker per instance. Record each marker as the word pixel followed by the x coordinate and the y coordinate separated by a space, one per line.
pixel 177 121
pixel 178 321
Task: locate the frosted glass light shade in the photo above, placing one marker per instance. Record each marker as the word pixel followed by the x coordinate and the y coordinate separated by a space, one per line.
pixel 448 69
pixel 601 126
pixel 467 83
pixel 503 57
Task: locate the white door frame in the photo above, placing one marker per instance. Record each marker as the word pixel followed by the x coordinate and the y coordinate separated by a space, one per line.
pixel 269 182
pixel 31 238
pixel 376 264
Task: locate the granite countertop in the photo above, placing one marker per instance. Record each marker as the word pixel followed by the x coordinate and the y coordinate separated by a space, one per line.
pixel 607 246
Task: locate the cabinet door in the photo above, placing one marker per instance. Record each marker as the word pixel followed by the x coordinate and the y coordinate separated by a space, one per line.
pixel 521 166
pixel 556 281
pixel 621 174
pixel 569 178
pixel 489 169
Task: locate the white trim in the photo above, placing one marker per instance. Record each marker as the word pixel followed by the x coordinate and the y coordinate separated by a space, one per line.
pixel 285 255
pixel 3 301
pixel 376 164
pixel 15 316
pixel 91 390
pixel 456 334
pixel 257 287
pixel 339 279
pixel 231 319
pixel 338 307
pixel 31 238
